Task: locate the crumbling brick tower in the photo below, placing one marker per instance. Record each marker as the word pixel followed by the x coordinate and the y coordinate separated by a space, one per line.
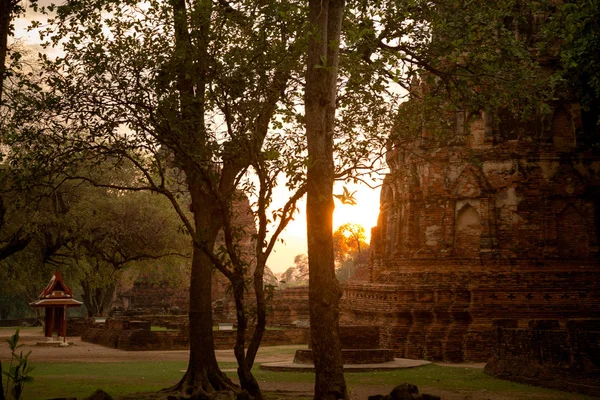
pixel 496 225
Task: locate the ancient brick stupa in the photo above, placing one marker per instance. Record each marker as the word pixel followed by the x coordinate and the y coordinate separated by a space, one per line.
pixel 56 298
pixel 497 227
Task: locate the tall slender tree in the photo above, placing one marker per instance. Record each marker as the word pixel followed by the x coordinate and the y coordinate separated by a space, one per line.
pixel 325 19
pixel 6 12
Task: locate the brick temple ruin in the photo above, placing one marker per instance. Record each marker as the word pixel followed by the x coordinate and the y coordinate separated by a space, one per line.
pixel 487 233
pixel 495 227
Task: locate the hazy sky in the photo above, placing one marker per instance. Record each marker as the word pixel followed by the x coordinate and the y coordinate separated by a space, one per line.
pixel 365 212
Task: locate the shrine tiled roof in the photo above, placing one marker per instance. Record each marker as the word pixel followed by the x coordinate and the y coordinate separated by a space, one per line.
pixel 68 302
pixel 56 288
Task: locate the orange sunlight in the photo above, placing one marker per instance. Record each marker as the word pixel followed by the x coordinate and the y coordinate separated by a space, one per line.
pixel 364 213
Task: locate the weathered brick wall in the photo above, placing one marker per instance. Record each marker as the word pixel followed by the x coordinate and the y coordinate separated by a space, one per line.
pixel 141 340
pixel 177 322
pixel 154 299
pixel 359 337
pixel 515 200
pixel 76 326
pixel 565 358
pixel 289 306
pixel 101 336
pixel 226 339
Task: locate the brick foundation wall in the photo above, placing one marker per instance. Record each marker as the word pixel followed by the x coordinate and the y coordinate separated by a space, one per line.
pixel 359 337
pixel 102 336
pixel 453 317
pixel 226 339
pixel 565 359
pixel 288 307
pixel 76 326
pixel 156 299
pixel 144 339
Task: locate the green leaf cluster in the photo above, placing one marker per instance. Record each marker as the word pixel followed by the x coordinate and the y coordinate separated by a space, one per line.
pixel 18 371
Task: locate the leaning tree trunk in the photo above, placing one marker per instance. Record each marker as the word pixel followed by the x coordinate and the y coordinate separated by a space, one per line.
pixel 261 312
pixel 1 385
pixel 247 380
pixel 325 17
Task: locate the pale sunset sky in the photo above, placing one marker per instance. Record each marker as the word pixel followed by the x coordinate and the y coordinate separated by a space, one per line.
pixel 365 212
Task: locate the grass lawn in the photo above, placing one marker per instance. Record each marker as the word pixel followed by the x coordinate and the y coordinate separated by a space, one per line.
pixel 13 329
pixel 155 328
pixel 82 379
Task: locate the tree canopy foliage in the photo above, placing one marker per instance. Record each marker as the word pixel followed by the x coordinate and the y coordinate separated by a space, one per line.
pixel 163 87
pixel 296 275
pixel 92 234
pixel 351 248
pixel 572 34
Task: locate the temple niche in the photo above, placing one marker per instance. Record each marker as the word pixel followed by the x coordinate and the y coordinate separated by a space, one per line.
pixel 496 226
pixel 467 232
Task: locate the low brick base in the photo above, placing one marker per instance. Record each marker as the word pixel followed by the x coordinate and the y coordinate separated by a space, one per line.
pixel 350 356
pixel 142 339
pixel 566 359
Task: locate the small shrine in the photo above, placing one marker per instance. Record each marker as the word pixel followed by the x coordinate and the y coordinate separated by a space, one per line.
pixel 56 298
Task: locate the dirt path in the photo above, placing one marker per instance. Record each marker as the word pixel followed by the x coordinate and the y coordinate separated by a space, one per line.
pixel 80 351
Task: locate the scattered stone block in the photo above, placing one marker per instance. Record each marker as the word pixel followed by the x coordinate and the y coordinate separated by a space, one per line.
pixel 99 395
pixel 404 391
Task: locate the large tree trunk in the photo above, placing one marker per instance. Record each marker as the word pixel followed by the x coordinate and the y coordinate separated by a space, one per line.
pixel 203 374
pixel 190 63
pixel 324 290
